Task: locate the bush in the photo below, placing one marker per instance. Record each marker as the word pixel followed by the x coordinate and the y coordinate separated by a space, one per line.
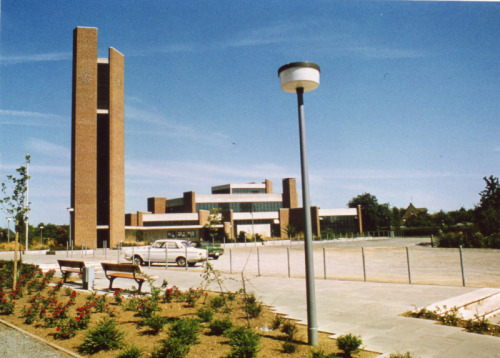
pixel 252 307
pixel 171 348
pixel 451 317
pixel 402 355
pixel 219 326
pixel 479 325
pixel 289 329
pixel 349 343
pixel 103 336
pixel 289 347
pixel 318 353
pixel 155 323
pixel 217 301
pixel 205 314
pixel 244 342
pixel 186 330
pixel 130 352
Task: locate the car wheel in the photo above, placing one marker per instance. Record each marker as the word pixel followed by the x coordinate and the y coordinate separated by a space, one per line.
pixel 181 261
pixel 138 261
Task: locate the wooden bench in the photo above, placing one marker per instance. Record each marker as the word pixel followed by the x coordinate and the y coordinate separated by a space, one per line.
pixel 68 267
pixel 123 270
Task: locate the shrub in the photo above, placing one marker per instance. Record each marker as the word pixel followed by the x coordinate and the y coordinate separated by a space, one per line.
pixel 186 330
pixel 424 313
pixel 244 342
pixel 205 314
pixel 318 353
pixel 289 329
pixel 171 348
pixel 289 347
pixel 479 325
pixel 252 307
pixel 349 343
pixel 102 337
pixel 451 317
pixel 217 301
pixel 402 355
pixel 155 323
pixel 219 326
pixel 130 352
pixel 278 320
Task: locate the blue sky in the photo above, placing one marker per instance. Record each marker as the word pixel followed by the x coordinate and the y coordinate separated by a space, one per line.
pixel 407 108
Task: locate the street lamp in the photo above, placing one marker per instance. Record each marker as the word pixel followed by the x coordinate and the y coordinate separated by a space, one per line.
pixel 8 230
pixel 70 211
pixel 41 235
pixel 300 77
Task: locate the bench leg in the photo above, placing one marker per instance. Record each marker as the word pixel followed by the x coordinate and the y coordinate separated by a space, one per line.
pixel 111 283
pixel 65 276
pixel 140 285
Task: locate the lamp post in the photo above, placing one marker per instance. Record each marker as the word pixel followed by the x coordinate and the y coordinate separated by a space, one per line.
pixel 8 230
pixel 41 235
pixel 70 211
pixel 300 77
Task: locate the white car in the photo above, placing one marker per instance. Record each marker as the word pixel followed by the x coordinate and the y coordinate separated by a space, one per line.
pixel 171 250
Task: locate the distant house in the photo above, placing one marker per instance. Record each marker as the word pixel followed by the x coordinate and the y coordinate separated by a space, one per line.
pixel 412 211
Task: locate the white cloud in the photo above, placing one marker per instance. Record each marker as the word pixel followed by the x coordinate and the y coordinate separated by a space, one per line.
pixel 56 56
pixel 46 148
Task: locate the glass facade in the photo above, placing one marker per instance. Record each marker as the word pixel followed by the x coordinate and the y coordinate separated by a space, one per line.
pixel 248 191
pixel 241 207
pixel 339 224
pixel 170 223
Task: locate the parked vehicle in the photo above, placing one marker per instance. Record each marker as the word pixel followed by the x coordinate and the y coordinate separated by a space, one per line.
pixel 214 250
pixel 172 250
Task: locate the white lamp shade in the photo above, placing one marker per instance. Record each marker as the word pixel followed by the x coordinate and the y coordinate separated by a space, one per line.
pixel 299 75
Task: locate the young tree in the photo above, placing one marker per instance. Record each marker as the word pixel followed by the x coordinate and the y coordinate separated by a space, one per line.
pixel 214 220
pixel 487 213
pixel 14 193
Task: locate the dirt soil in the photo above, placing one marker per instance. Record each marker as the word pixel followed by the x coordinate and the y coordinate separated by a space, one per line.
pixel 209 346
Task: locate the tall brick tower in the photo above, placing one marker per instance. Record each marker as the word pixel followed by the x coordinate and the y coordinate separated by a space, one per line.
pixel 97 148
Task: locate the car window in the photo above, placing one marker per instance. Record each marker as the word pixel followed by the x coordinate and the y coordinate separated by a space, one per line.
pixel 172 245
pixel 158 245
pixel 187 243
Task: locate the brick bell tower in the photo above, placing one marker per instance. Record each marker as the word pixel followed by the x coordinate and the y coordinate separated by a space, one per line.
pixel 97 145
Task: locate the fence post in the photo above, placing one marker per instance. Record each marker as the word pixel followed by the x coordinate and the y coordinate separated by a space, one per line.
pixel 432 240
pixel 324 261
pixel 149 256
pixel 230 261
pixel 288 260
pixel 258 262
pixel 133 254
pixel 408 261
pixel 166 256
pixel 186 252
pixel 462 265
pixel 118 258
pixel 364 262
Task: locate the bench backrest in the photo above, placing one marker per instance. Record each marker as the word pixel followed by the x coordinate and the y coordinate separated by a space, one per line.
pixel 107 266
pixel 71 263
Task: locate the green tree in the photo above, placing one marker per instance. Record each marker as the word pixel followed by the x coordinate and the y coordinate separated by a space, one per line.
pixel 14 196
pixel 487 213
pixel 375 216
pixel 214 220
